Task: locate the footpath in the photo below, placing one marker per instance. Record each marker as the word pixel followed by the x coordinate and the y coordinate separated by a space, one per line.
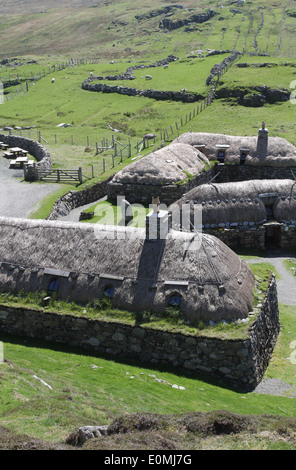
pixel 19 198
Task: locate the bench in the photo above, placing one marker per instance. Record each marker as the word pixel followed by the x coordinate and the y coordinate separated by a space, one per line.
pixel 15 164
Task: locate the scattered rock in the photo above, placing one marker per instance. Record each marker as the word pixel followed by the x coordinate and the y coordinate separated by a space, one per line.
pixel 88 432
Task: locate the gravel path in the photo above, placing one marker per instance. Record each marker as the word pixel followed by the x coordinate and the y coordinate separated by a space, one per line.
pixel 286 287
pixel 17 197
pixel 286 281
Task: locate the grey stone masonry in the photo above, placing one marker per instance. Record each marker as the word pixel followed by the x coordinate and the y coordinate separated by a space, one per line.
pixel 239 361
pixel 168 194
pixel 33 147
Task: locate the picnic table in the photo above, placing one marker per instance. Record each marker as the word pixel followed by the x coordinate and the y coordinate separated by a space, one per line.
pixel 18 152
pixel 4 146
pixel 19 162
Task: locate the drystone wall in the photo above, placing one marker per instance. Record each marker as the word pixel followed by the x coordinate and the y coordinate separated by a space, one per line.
pixel 169 194
pixel 73 199
pixel 240 235
pixel 33 147
pixel 182 96
pixel 238 361
pixel 143 193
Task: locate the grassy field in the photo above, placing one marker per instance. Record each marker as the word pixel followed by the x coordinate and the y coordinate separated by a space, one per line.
pixel 80 388
pixel 111 29
pixel 88 389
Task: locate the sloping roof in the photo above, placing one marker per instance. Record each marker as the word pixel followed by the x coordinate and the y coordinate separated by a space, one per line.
pixel 242 201
pixel 166 166
pixel 280 152
pixel 144 273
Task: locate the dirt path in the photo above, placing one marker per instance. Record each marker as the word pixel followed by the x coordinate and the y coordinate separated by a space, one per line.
pixel 286 281
pixel 17 197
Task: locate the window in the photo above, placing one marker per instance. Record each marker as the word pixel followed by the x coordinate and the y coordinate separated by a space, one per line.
pixel 109 292
pixel 221 156
pixel 175 301
pixel 243 158
pixel 54 286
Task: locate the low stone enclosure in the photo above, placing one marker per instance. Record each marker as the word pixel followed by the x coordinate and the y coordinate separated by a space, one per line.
pixel 240 362
pixel 33 147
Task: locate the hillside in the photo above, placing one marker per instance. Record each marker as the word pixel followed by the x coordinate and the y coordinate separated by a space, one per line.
pixel 121 28
pixel 68 41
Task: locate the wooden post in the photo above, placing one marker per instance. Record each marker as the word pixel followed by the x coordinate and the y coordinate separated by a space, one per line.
pixel 80 175
pixel 35 172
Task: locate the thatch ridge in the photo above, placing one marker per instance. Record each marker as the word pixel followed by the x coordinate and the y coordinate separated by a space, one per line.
pixel 144 273
pixel 164 166
pixel 280 152
pixel 243 201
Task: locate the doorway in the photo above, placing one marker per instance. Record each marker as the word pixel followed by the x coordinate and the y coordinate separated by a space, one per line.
pixel 272 236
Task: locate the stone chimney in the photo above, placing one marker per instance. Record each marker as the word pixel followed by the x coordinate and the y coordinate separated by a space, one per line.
pixel 158 222
pixel 262 142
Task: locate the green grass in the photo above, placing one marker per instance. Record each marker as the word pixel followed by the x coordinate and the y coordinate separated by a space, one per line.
pixel 93 390
pixel 108 214
pixel 290 265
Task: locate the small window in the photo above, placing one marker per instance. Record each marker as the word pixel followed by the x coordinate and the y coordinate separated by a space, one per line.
pixel 221 156
pixel 109 292
pixel 243 158
pixel 175 301
pixel 54 286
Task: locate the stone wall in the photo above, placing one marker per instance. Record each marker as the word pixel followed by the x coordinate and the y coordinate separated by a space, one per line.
pixel 143 193
pixel 238 361
pixel 228 173
pixel 33 147
pixel 240 236
pixel 168 194
pixel 182 96
pixel 74 199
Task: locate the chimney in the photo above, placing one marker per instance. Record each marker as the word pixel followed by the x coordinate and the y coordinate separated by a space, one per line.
pixel 158 221
pixel 262 142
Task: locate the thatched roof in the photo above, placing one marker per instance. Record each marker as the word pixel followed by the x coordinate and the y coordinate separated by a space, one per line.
pixel 165 166
pixel 280 152
pixel 212 281
pixel 243 201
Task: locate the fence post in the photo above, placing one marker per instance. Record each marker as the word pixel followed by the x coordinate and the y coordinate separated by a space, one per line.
pixel 80 175
pixel 35 172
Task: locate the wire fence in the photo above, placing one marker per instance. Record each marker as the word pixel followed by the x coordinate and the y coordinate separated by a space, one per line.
pixel 110 152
